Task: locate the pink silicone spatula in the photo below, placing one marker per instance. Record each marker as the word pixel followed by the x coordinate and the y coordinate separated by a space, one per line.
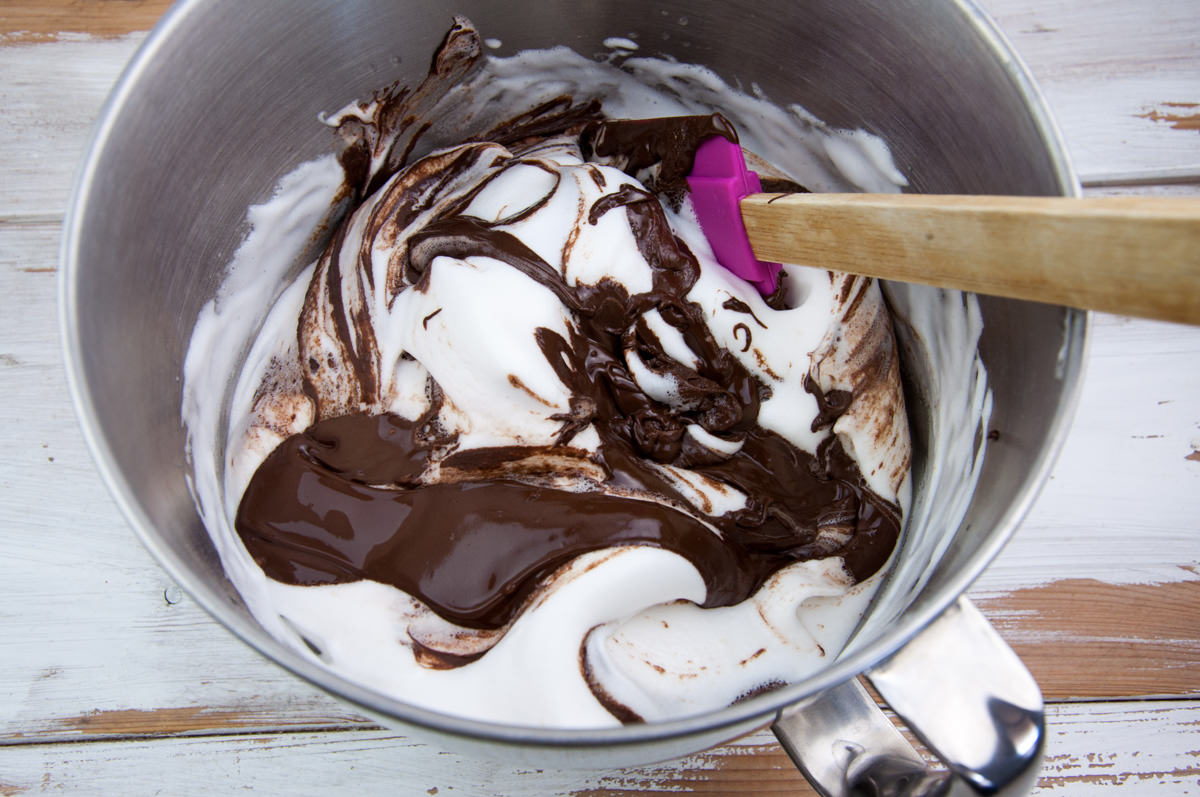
pixel 718 181
pixel 1129 255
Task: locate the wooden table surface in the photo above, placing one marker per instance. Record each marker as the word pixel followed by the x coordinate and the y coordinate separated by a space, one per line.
pixel 114 682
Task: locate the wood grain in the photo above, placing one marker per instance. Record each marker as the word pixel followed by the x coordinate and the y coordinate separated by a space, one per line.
pixel 1085 639
pixel 48 20
pixel 1125 748
pixel 1132 255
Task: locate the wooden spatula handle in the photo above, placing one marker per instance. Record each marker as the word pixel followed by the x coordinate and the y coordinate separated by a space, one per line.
pixel 1129 255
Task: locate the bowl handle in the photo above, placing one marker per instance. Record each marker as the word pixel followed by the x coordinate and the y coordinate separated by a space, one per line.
pixel 958 687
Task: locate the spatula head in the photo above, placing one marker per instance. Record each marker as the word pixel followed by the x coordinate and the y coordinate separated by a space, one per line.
pixel 718 181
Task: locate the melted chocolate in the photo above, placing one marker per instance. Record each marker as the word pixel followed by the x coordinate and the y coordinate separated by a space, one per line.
pixel 349 499
pixel 342 502
pixel 402 118
pixel 323 509
pixel 659 154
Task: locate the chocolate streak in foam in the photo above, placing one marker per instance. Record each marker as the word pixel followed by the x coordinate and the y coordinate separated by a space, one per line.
pixel 346 499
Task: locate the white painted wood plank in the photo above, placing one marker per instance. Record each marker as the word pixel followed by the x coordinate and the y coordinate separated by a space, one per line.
pixel 91 625
pixel 1119 77
pixel 1122 503
pixel 51 93
pixel 1126 748
pixel 1134 748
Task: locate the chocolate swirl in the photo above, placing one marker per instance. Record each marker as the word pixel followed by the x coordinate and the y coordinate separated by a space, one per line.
pixel 474 531
pixel 349 498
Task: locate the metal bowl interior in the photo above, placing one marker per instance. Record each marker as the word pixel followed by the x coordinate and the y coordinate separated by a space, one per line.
pixel 222 101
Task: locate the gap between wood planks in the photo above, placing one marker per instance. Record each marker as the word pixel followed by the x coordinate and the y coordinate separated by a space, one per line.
pixel 162 719
pixel 123 725
pixel 1148 178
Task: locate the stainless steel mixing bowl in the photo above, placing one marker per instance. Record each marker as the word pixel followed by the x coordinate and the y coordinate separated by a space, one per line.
pixel 220 103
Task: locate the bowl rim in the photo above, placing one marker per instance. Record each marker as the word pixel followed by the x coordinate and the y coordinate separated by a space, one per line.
pixel 759 709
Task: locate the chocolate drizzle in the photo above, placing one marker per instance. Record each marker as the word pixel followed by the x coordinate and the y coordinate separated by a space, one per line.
pixel 353 497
